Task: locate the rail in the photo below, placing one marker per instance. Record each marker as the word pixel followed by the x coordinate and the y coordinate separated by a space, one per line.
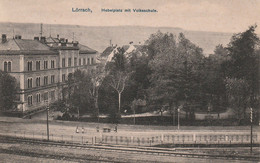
pixel 147 150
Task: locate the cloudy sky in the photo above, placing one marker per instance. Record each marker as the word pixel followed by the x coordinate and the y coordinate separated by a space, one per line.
pixel 203 15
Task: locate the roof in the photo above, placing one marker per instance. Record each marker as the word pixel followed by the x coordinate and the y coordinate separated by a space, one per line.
pixel 24 46
pixel 55 44
pixel 50 46
pixel 83 49
pixel 107 51
pixel 51 39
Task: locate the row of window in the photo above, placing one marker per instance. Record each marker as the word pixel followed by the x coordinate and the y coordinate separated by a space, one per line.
pixel 8 64
pixel 38 81
pixel 44 96
pixel 75 61
pixel 38 65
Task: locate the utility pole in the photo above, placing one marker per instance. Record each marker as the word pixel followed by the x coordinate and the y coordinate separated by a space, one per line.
pixel 47 111
pixel 251 135
pixel 50 30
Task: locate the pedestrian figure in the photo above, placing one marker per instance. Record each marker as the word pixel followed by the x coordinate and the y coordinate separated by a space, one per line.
pixel 83 130
pixel 115 128
pixel 77 129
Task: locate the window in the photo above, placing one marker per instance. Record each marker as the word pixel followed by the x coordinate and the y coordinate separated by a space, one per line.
pixel 52 95
pixel 92 60
pixel 63 62
pixel 52 64
pixel 29 66
pixel 79 62
pixel 38 97
pixel 7 66
pixel 29 82
pixel 29 100
pixel 88 61
pixel 38 81
pixel 75 61
pixel 45 96
pixel 69 62
pixel 45 80
pixel 38 65
pixel 84 61
pixel 52 79
pixel 70 76
pixel 63 77
pixel 45 64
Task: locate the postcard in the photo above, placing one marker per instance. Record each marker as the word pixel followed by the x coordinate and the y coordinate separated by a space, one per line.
pixel 129 81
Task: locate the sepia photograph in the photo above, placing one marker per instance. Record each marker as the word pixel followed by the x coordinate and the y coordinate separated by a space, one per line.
pixel 129 81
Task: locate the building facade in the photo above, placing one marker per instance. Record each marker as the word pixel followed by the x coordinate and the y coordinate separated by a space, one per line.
pixel 41 67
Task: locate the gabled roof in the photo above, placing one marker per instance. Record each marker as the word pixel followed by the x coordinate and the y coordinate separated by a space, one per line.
pixel 83 49
pixel 24 46
pixel 107 51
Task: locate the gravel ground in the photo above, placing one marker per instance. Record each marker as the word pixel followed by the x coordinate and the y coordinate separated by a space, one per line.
pixel 25 159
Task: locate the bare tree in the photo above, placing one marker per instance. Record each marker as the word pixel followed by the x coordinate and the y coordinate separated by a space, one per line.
pixel 118 82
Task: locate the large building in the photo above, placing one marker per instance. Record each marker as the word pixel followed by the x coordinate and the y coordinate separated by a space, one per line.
pixel 41 67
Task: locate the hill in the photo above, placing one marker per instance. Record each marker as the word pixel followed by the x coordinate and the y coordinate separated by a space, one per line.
pixel 98 37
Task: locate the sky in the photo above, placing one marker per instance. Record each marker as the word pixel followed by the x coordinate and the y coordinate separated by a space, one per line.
pixel 197 15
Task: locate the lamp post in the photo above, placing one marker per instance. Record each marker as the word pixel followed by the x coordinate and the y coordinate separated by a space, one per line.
pixel 251 135
pixel 47 111
pixel 178 118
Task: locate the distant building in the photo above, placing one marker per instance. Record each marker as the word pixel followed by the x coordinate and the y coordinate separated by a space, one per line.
pixel 41 67
pixel 108 54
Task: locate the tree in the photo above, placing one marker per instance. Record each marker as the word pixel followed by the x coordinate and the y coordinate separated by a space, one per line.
pixel 243 50
pixel 97 78
pixel 237 90
pixel 79 97
pixel 8 91
pixel 175 76
pixel 118 74
pixel 213 76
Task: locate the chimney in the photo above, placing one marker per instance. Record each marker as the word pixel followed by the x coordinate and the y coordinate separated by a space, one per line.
pixel 66 40
pixel 36 38
pixel 58 36
pixel 43 39
pixel 18 37
pixel 4 38
pixel 75 43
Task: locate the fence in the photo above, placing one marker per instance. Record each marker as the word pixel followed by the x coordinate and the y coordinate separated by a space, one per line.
pixel 147 140
pixel 180 139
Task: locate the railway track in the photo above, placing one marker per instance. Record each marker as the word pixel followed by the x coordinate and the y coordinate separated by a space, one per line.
pixel 125 149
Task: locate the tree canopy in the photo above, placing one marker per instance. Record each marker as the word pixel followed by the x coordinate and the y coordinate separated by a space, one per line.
pixel 8 92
